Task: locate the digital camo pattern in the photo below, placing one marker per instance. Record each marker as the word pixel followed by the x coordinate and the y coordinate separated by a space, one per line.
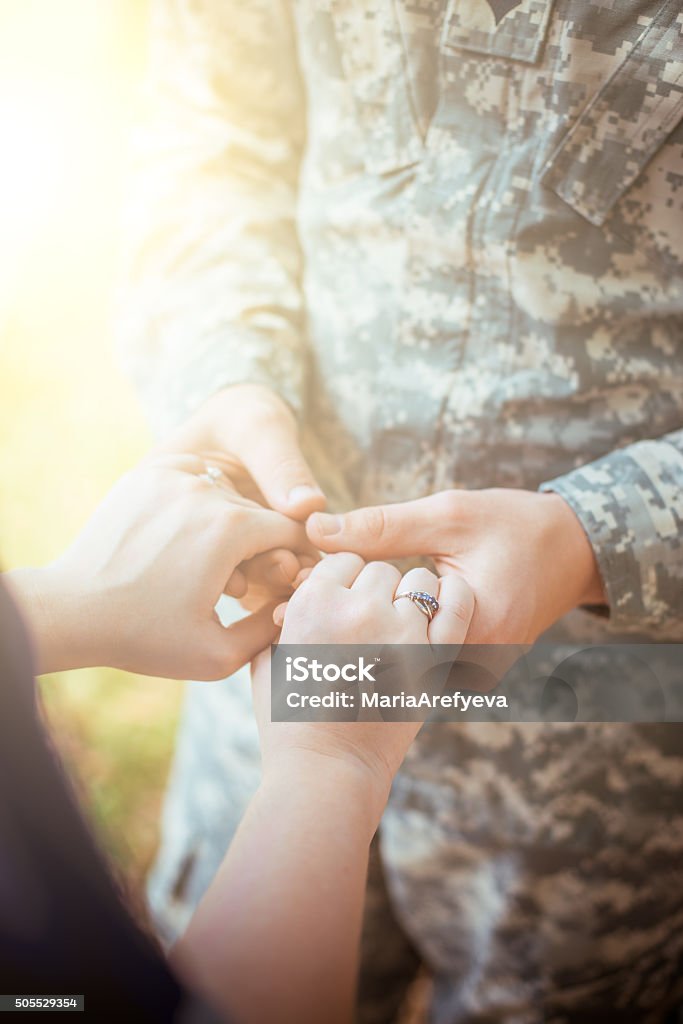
pixel 451 235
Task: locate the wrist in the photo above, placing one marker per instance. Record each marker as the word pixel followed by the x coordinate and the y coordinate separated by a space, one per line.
pixel 57 618
pixel 585 586
pixel 358 792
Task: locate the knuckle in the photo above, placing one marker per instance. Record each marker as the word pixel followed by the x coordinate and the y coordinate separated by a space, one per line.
pixel 355 561
pixel 291 465
pixel 355 615
pixel 374 522
pixel 305 599
pixel 448 503
pixel 270 408
pixel 303 613
pixel 234 518
pixel 430 581
pixel 268 412
pixel 458 612
pixel 342 560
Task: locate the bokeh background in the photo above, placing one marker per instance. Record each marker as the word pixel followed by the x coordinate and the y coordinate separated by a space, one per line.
pixel 70 73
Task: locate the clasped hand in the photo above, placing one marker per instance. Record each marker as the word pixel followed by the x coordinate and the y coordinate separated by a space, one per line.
pixel 138 587
pixel 167 542
pixel 524 554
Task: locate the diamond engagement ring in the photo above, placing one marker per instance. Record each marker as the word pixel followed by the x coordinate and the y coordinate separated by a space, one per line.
pixel 427 604
pixel 212 475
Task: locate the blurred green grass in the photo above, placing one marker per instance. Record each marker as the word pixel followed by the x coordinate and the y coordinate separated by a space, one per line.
pixel 69 421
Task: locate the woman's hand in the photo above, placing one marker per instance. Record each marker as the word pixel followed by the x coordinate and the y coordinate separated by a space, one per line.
pixel 138 587
pixel 288 898
pixel 525 555
pixel 345 601
pixel 253 428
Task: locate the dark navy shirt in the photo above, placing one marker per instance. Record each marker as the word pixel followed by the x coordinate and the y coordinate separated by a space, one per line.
pixel 64 929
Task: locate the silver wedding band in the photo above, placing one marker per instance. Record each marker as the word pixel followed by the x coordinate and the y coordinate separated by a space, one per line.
pixel 427 604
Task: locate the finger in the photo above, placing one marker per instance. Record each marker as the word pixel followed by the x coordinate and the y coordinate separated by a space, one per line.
pixel 279 614
pixel 228 648
pixel 236 585
pixel 234 475
pixel 274 459
pixel 253 531
pixel 378 578
pixel 274 569
pixel 263 436
pixel 456 608
pixel 341 568
pixel 199 464
pixel 308 561
pixel 303 575
pixel 273 572
pixel 419 580
pixel 382 531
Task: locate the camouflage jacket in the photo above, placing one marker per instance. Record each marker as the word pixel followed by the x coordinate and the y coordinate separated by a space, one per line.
pixel 449 233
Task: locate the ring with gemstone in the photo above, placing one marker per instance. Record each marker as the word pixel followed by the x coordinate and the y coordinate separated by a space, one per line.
pixel 427 604
pixel 212 475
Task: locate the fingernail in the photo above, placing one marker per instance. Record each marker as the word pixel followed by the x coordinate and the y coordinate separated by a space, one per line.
pixel 279 574
pixel 300 577
pixel 303 492
pixel 326 524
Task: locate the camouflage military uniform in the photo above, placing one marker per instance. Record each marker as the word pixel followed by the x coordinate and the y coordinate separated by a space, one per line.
pixel 451 235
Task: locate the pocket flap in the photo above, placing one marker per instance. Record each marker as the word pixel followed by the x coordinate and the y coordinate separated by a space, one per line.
pixel 499 28
pixel 625 124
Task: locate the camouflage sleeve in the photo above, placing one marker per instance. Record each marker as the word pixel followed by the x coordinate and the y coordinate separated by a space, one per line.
pixel 630 504
pixel 211 295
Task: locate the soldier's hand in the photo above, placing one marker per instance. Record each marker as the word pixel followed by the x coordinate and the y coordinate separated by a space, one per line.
pixel 525 555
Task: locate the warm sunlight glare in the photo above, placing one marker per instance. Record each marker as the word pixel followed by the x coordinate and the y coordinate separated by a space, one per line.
pixel 40 142
pixel 55 84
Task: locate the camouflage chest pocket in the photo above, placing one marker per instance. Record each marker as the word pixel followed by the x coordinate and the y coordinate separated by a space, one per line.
pixel 510 29
pixel 625 123
pixel 373 59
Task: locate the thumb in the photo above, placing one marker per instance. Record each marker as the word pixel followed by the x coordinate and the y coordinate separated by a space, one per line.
pixel 381 531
